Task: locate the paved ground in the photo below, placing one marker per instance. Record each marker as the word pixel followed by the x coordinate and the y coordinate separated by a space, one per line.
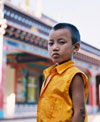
pixel 20 120
pixel 94 118
pixel 91 118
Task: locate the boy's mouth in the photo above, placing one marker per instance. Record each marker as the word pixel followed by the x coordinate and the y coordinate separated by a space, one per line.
pixel 55 55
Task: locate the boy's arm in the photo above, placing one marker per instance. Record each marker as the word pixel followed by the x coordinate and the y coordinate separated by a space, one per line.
pixel 78 98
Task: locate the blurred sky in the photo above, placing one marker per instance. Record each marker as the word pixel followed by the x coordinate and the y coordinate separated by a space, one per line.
pixel 82 13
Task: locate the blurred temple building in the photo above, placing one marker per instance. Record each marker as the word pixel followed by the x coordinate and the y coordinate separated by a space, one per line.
pixel 23 57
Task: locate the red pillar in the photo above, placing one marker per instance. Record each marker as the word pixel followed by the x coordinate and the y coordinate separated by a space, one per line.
pixel 2 75
pixel 2 91
pixel 91 95
pixel 2 56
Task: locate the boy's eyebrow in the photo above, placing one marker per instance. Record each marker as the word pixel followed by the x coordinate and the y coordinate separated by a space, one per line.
pixel 60 39
pixel 50 40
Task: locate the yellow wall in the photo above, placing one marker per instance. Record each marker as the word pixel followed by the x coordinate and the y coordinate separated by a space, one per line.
pixel 9 81
pixel 9 96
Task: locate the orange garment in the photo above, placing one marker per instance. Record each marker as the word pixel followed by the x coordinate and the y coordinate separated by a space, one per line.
pixel 55 104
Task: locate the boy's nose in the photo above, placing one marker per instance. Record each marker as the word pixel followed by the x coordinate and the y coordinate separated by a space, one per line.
pixel 55 47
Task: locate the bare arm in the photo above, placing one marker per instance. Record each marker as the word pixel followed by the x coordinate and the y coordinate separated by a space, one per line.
pixel 78 98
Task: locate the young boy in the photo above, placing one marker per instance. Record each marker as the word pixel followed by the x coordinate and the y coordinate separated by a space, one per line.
pixel 65 88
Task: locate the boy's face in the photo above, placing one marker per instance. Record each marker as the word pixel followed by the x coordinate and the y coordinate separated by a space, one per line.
pixel 60 45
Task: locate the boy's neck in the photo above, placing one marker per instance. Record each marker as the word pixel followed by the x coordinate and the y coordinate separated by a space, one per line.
pixel 63 62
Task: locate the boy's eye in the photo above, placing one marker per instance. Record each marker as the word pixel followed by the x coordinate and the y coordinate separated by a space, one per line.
pixel 50 43
pixel 62 42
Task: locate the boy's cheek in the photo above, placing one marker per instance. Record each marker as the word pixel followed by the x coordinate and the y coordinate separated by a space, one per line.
pixel 49 51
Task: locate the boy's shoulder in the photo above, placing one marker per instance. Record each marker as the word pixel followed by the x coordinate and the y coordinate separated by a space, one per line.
pixel 75 70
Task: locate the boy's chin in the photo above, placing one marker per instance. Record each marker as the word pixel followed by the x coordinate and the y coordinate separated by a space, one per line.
pixel 56 61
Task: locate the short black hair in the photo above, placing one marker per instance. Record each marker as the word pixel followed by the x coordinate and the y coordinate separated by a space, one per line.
pixel 75 34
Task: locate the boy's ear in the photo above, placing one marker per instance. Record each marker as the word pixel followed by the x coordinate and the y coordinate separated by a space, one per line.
pixel 76 47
